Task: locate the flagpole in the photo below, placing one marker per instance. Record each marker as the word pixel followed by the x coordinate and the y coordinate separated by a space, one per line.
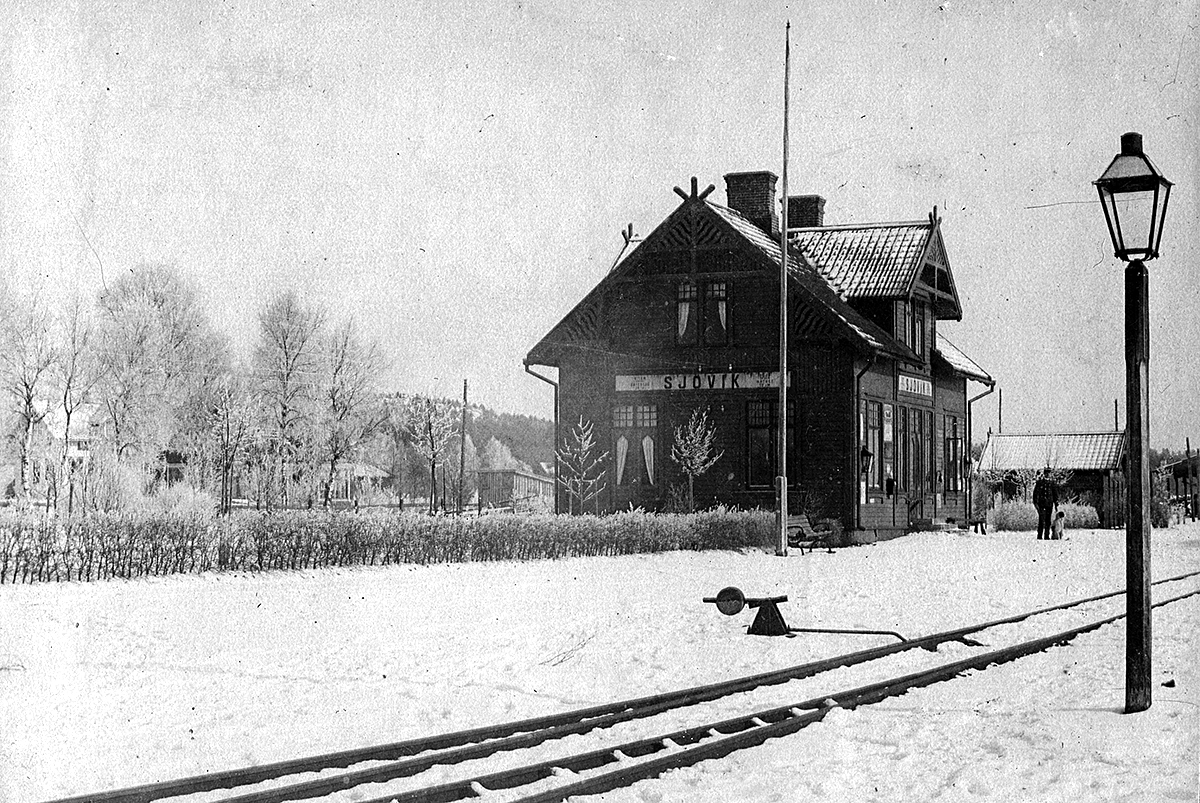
pixel 781 481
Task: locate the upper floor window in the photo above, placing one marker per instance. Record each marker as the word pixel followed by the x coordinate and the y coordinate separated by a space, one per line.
pixel 702 313
pixel 916 328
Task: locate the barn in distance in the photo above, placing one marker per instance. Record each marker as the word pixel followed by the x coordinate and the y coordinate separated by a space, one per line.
pixel 878 407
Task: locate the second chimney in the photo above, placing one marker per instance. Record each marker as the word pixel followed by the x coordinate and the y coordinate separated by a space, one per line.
pixel 753 194
pixel 806 211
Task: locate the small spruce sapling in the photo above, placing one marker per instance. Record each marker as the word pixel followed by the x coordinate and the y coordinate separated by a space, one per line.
pixel 581 470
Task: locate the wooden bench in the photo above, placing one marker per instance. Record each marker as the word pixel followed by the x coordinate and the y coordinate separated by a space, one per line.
pixel 801 535
pixel 979 526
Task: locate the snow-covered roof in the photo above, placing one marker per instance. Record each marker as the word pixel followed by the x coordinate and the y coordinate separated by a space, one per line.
pixel 959 361
pixel 1076 451
pixel 877 260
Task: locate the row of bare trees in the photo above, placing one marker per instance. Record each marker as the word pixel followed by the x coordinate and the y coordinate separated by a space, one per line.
pixel 105 401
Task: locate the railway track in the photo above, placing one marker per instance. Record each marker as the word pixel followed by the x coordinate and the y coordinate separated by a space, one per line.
pixel 668 750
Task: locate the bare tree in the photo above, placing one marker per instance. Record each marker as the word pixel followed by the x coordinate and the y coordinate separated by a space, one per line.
pixel 75 372
pixel 285 362
pixel 581 470
pixel 432 422
pixel 693 450
pixel 26 354
pixel 231 428
pixel 155 342
pixel 399 437
pixel 351 412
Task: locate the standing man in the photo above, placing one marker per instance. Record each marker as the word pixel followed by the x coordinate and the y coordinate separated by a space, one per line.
pixel 1045 499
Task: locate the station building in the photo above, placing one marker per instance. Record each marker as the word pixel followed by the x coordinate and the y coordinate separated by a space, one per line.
pixel 877 430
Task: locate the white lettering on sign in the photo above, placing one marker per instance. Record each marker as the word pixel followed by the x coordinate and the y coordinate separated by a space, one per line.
pixel 739 380
pixel 915 385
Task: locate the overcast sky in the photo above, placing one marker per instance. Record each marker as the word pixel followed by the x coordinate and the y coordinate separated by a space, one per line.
pixel 456 175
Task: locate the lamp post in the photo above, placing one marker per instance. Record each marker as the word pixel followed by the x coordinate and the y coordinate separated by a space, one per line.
pixel 1133 194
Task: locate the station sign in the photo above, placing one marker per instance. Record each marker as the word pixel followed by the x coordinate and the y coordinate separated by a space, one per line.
pixel 915 385
pixel 732 380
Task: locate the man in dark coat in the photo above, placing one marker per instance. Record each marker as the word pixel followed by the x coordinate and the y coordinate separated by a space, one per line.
pixel 1045 499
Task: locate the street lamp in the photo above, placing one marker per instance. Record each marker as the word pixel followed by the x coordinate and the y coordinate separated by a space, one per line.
pixel 1133 194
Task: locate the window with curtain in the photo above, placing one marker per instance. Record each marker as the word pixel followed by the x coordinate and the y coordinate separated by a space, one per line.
pixel 635 434
pixel 716 313
pixel 687 320
pixel 702 313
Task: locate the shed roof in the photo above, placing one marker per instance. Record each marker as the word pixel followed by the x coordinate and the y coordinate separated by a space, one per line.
pixel 1076 451
pixel 959 361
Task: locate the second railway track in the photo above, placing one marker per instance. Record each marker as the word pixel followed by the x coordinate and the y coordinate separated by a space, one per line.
pixel 678 746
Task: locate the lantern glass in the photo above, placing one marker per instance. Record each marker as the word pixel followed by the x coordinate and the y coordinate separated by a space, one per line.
pixel 1134 194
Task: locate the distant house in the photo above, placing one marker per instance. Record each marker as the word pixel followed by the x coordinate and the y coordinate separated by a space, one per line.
pixel 522 491
pixel 1095 461
pixel 1183 483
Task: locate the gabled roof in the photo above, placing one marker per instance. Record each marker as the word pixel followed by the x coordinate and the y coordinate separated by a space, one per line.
pixel 1075 451
pixel 577 327
pixel 880 260
pixel 960 362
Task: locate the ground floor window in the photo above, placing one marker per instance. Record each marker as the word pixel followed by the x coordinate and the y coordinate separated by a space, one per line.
pixel 952 456
pixel 762 435
pixel 872 439
pixel 635 443
pixel 903 448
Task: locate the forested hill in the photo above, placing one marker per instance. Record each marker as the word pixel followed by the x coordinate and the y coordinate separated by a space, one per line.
pixel 530 439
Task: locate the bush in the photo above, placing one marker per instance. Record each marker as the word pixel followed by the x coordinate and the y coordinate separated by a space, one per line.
pixel 190 539
pixel 1019 516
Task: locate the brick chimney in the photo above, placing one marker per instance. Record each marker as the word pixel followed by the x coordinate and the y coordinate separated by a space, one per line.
pixel 806 211
pixel 753 194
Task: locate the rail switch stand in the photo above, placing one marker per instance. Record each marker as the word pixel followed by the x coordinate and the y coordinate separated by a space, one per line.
pixel 769 621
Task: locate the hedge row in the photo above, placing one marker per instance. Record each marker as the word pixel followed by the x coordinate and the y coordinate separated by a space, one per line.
pixel 34 549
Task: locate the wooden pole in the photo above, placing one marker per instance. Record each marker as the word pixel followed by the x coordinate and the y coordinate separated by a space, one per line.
pixel 462 447
pixel 781 546
pixel 1137 526
pixel 1000 413
pixel 1116 418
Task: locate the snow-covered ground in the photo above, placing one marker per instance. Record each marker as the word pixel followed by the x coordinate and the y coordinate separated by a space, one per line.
pixel 118 683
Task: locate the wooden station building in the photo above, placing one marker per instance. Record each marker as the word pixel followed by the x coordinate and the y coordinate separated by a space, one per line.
pixel 877 425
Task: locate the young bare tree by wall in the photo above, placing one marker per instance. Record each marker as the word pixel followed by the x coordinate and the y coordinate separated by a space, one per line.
pixel 287 369
pixel 693 450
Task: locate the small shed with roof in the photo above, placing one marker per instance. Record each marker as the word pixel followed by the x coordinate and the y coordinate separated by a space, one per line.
pixel 1091 463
